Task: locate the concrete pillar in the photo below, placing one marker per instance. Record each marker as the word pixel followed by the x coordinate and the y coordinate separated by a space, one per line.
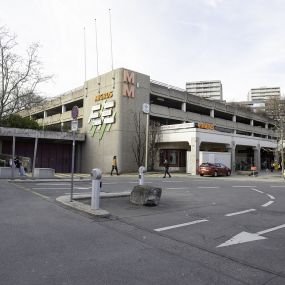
pixel 234 118
pixel 212 113
pixel 251 122
pixel 45 114
pixel 257 157
pixel 266 126
pixel 194 156
pixel 63 109
pixel 183 106
pixel 232 149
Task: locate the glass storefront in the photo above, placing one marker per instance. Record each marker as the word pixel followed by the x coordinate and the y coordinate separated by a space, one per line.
pixel 175 157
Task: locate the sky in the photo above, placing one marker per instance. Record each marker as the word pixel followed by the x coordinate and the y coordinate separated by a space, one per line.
pixel 240 42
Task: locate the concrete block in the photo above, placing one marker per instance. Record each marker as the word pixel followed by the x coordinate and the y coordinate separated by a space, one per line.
pixel 44 173
pixel 145 195
pixel 6 172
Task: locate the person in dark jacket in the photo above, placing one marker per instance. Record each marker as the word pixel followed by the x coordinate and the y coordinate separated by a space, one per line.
pixel 19 166
pixel 166 168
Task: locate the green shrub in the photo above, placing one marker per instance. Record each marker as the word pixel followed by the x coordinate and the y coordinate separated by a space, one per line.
pixel 16 121
pixel 2 163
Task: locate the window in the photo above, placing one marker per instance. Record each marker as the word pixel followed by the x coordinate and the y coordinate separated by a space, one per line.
pixel 175 157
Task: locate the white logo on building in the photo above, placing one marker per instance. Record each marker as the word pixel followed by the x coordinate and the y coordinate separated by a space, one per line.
pixel 101 118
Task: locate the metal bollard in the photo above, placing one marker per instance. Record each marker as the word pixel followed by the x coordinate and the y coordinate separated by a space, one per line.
pixel 141 175
pixel 96 176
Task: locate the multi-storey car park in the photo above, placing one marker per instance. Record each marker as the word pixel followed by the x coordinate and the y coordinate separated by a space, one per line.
pixel 110 106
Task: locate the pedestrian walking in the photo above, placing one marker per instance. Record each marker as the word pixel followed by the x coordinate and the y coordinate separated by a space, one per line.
pixel 166 168
pixel 20 166
pixel 114 165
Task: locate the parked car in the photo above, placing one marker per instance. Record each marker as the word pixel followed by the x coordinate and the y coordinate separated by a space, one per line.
pixel 214 169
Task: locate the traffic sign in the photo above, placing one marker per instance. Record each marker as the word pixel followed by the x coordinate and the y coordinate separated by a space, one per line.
pixel 74 125
pixel 74 112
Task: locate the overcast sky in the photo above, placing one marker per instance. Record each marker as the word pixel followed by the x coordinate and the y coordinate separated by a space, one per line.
pixel 240 42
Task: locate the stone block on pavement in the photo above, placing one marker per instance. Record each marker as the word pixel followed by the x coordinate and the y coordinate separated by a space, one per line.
pixel 145 195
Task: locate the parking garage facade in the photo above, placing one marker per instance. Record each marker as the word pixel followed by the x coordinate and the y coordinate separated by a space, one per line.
pixel 108 108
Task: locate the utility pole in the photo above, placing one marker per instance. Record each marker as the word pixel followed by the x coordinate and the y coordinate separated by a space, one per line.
pixel 146 110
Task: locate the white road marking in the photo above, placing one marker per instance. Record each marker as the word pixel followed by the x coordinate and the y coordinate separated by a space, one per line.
pixel 208 187
pixel 60 188
pixel 239 213
pixel 277 186
pixel 75 193
pixel 119 182
pixel 242 186
pixel 257 190
pixel 271 230
pixel 267 204
pixel 83 188
pixel 270 196
pixel 178 188
pixel 54 184
pixel 171 181
pixel 45 188
pixel 181 225
pixel 247 237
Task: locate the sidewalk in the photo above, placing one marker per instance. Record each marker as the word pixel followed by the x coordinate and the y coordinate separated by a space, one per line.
pixel 87 176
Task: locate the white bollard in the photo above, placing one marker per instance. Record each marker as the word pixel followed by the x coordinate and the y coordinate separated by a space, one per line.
pixel 141 175
pixel 96 176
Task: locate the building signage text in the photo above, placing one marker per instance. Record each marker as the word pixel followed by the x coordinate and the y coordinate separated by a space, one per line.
pixel 129 84
pixel 205 126
pixel 104 96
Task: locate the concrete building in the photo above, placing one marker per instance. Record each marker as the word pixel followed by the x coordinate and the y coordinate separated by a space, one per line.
pixel 263 93
pixel 211 90
pixel 256 106
pixel 110 109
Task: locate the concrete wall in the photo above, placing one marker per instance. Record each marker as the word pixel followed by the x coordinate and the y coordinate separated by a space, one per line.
pixel 98 150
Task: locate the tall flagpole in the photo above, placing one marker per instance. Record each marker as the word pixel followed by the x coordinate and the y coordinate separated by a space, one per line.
pixel 84 56
pixel 111 38
pixel 97 48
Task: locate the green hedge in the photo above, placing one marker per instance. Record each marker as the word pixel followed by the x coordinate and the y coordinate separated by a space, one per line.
pixel 16 121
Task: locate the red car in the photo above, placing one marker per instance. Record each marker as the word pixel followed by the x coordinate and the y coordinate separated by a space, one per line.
pixel 214 169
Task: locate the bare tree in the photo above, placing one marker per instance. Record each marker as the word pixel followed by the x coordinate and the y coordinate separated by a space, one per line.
pixel 138 145
pixel 153 138
pixel 275 108
pixel 19 76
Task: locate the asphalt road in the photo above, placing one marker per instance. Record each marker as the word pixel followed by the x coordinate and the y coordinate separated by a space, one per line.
pixel 205 231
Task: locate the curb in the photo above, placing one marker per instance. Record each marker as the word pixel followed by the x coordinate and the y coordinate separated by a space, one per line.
pixel 75 204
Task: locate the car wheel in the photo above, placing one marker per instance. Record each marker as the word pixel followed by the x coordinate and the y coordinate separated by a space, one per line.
pixel 201 174
pixel 228 173
pixel 215 174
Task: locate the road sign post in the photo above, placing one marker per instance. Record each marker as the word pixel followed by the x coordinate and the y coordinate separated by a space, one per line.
pixel 74 128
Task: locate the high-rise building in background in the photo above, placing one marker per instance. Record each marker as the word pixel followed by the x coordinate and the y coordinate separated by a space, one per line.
pixel 263 93
pixel 258 99
pixel 212 90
